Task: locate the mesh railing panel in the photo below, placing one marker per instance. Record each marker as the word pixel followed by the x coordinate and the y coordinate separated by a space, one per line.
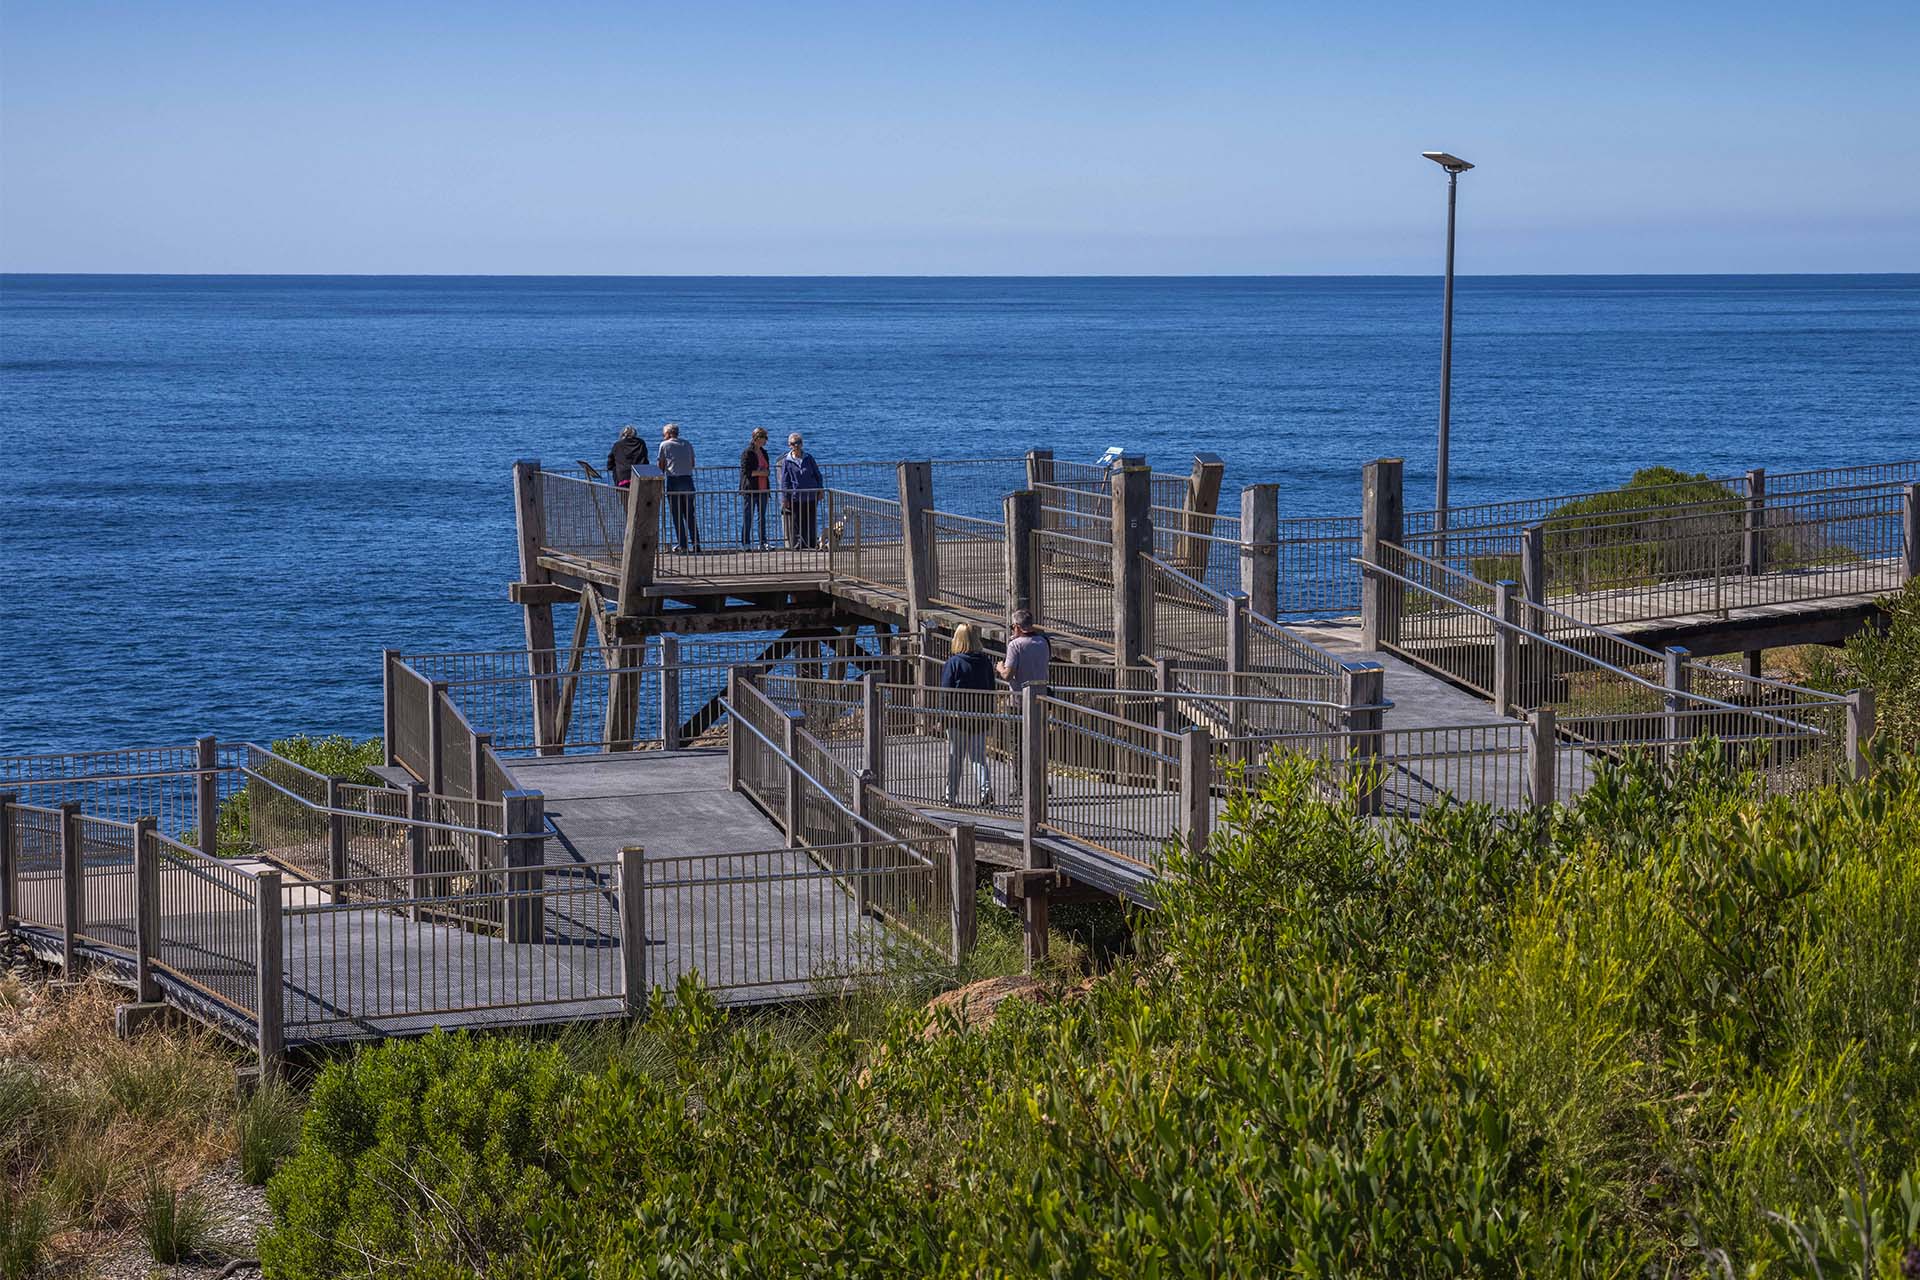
pixel 412 696
pixel 969 562
pixel 1186 620
pixel 867 541
pixel 283 821
pixel 952 748
pixel 1111 783
pixel 107 896
pixel 585 519
pixel 39 897
pixel 207 919
pixel 1076 585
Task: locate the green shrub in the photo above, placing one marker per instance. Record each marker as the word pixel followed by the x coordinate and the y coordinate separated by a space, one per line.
pixel 1887 660
pixel 418 1152
pixel 334 754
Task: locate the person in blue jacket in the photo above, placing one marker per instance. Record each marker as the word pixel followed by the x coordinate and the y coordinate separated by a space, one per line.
pixel 970 672
pixel 800 488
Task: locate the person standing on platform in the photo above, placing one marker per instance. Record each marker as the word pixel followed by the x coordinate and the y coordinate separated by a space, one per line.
pixel 970 673
pixel 756 485
pixel 676 461
pixel 800 486
pixel 1028 654
pixel 628 452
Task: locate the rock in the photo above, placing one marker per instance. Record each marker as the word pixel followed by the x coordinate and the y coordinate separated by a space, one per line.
pixel 978 1003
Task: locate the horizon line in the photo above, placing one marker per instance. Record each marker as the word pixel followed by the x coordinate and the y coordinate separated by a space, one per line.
pixel 1079 275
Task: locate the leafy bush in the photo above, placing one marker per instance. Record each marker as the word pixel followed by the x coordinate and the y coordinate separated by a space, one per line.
pixel 1887 660
pixel 1672 1029
pixel 426 1153
pixel 333 754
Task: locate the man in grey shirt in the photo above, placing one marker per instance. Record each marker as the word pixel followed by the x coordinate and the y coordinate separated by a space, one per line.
pixel 1027 654
pixel 676 460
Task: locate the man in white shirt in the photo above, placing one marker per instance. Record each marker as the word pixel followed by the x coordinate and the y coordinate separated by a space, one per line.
pixel 676 461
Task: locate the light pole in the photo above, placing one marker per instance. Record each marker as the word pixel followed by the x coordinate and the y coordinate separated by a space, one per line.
pixel 1454 166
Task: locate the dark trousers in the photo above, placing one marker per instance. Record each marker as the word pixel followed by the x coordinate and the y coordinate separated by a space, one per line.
pixel 686 526
pixel 753 505
pixel 802 514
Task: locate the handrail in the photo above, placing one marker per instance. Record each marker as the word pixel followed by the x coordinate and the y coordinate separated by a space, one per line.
pixel 399 819
pixel 1130 725
pixel 1188 580
pixel 1192 695
pixel 1499 623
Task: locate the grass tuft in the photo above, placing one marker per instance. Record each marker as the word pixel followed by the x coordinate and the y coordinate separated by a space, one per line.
pixel 266 1131
pixel 178 1222
pixel 25 1224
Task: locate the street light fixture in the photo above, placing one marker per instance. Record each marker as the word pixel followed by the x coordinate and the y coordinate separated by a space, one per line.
pixel 1454 166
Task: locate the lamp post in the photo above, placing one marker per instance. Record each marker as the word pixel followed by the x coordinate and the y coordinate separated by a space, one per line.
pixel 1454 166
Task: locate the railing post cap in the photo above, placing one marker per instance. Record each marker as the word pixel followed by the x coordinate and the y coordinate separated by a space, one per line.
pixel 1508 583
pixel 523 794
pixel 1208 459
pixel 1363 665
pixel 1679 650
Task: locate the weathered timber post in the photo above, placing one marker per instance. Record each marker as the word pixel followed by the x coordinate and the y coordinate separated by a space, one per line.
pixel 961 891
pixel 336 833
pixel 146 911
pixel 1039 467
pixel 436 778
pixel 1021 512
pixel 1910 533
pixel 477 747
pixel 639 549
pixel 1366 684
pixel 9 882
pixel 634 986
pixel 1196 790
pixel 790 743
pixel 387 658
pixel 1166 717
pixel 1239 637
pixel 670 713
pixel 1033 816
pixel 525 814
pixel 1131 485
pixel 916 536
pixel 1260 547
pixel 1541 746
pixel 418 857
pixel 73 897
pixel 1382 522
pixel 1678 684
pixel 530 523
pixel 1203 503
pixel 206 793
pixel 873 728
pixel 863 860
pixel 269 958
pixel 1506 647
pixel 1533 564
pixel 1754 522
pixel 1860 713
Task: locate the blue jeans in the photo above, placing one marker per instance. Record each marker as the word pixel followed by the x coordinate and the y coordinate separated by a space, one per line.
pixel 965 746
pixel 686 526
pixel 753 505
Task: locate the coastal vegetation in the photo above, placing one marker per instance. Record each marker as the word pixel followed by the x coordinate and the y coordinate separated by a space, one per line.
pixel 334 754
pixel 1670 1027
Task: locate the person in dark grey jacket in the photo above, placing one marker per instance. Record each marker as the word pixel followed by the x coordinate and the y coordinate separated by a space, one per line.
pixel 628 452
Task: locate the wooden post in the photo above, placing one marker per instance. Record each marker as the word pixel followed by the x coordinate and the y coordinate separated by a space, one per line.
pixel 733 729
pixel 1366 691
pixel 525 814
pixel 671 716
pixel 1131 486
pixel 1755 522
pixel 1260 547
pixel 418 863
pixel 790 743
pixel 269 940
pixel 1165 718
pixel 916 499
pixel 146 910
pixel 1239 639
pixel 1678 680
pixel 1033 816
pixel 961 889
pixel 1039 467
pixel 1196 790
pixel 873 728
pixel 387 658
pixel 9 883
pixel 863 860
pixel 436 778
pixel 1506 647
pixel 206 793
pixel 1541 746
pixel 530 523
pixel 336 833
pixel 1910 532
pixel 477 747
pixel 639 550
pixel 1533 564
pixel 635 990
pixel 1203 503
pixel 73 896
pixel 1382 521
pixel 1860 733
pixel 1021 512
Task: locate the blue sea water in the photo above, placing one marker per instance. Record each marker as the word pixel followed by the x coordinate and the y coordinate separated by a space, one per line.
pixel 223 496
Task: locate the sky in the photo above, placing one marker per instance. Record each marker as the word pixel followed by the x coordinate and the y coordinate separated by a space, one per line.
pixel 914 139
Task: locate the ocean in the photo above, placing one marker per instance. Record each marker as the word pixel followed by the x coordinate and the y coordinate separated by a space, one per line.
pixel 224 496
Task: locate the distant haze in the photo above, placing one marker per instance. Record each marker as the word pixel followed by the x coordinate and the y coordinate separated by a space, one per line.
pixel 625 138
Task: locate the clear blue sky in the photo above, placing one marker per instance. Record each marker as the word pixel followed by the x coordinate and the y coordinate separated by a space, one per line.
pixel 903 138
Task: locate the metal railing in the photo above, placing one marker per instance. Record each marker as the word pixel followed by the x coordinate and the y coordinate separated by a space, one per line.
pixel 1076 584
pixel 581 519
pixel 1188 619
pixel 968 561
pixel 1111 783
pixel 866 541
